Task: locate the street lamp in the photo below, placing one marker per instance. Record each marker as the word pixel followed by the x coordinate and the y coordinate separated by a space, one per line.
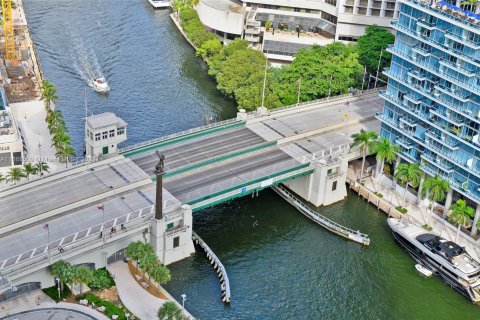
pixel 378 68
pixel 57 282
pixel 299 88
pixel 184 297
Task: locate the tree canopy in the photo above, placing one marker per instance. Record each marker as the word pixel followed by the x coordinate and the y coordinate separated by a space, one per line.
pixel 369 46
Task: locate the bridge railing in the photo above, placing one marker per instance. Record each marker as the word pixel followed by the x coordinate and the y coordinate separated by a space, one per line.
pixel 178 134
pixel 80 240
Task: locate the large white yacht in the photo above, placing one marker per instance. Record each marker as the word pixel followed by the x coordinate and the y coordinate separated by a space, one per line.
pixel 443 257
pixel 159 4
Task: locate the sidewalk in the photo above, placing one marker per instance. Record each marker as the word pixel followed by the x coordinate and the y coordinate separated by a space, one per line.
pixel 28 301
pixel 141 303
pixel 419 214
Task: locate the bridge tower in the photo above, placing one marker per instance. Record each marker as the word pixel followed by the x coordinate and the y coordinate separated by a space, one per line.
pixel 171 230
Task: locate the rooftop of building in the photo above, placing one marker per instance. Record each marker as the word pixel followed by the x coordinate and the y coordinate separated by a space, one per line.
pixel 225 5
pixel 8 128
pixel 453 12
pixel 105 119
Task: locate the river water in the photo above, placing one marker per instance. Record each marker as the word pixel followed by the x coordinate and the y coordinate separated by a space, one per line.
pixel 280 265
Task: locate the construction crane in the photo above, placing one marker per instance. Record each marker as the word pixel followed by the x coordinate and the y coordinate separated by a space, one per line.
pixel 10 52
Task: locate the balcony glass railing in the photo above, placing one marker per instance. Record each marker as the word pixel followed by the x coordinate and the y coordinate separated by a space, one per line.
pixel 438 162
pixel 462 40
pixel 422 51
pixel 441 139
pixel 426 24
pixel 449 118
pixel 455 93
pixel 457 67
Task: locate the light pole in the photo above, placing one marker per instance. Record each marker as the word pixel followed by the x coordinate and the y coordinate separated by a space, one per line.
pixel 330 85
pixel 184 297
pixel 264 82
pixel 364 73
pixel 46 226
pixel 299 88
pixel 40 160
pixel 57 282
pixel 378 68
pixel 345 116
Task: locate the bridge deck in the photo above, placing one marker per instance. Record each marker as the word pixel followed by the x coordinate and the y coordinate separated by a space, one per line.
pixel 67 190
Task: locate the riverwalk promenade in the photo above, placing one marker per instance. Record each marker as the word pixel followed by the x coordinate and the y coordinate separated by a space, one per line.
pixel 418 214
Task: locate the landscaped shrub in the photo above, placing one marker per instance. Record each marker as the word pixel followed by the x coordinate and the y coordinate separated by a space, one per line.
pixel 52 292
pixel 378 194
pixel 427 227
pixel 101 280
pixel 401 209
pixel 110 308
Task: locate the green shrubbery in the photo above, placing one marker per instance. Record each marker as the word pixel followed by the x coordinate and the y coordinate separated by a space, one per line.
pixel 401 209
pixel 52 292
pixel 110 308
pixel 378 194
pixel 101 280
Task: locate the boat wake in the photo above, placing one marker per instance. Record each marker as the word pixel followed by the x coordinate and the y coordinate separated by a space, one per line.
pixel 85 62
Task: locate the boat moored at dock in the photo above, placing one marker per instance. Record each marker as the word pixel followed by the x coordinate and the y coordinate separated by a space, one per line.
pixel 443 257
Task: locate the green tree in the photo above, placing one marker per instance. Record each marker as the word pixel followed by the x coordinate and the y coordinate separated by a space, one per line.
pixel 435 189
pixel 49 93
pixel 63 271
pixel 386 152
pixel 268 25
pixel 209 48
pixel 60 139
pixel 216 61
pixel 148 263
pixel 28 169
pixel 331 69
pixel 364 140
pixel 55 121
pixel 374 41
pixel 409 175
pixel 160 274
pixel 81 275
pixel 170 311
pixel 460 214
pixel 14 175
pixel 136 251
pixel 42 166
pixel 65 151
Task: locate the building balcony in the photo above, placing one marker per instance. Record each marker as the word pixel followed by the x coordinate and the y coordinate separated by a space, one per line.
pixel 252 38
pixel 408 121
pixel 436 161
pixel 408 157
pixel 421 51
pixel 457 67
pixel 455 93
pixel 412 99
pixel 442 140
pixel 425 24
pixel 404 143
pixel 471 44
pixel 420 76
pixel 252 30
pixel 447 116
pixel 435 44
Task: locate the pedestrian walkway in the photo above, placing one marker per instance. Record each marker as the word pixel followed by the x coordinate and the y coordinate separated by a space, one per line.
pixel 38 300
pixel 141 303
pixel 419 214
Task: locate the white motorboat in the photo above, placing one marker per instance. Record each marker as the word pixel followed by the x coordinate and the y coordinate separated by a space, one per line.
pixel 101 85
pixel 159 4
pixel 423 270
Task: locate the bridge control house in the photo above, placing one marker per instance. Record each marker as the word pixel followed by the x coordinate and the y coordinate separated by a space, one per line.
pixel 103 132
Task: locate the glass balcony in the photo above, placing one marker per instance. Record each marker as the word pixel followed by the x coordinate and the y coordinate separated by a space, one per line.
pixel 442 139
pixel 408 157
pixel 422 51
pixel 408 121
pixel 448 117
pixel 457 67
pixel 404 143
pixel 420 76
pixel 412 99
pixel 463 40
pixel 424 24
pixel 436 161
pixel 455 93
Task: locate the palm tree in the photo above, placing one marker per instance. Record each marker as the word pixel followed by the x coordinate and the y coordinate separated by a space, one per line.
pixel 148 263
pixel 60 139
pixel 160 274
pixel 63 271
pixel 15 175
pixel 2 177
pixel 82 275
pixel 28 169
pixel 435 188
pixel 136 251
pixel 364 140
pixel 386 152
pixel 409 175
pixel 170 311
pixel 42 167
pixel 55 120
pixel 461 213
pixel 65 152
pixel 49 93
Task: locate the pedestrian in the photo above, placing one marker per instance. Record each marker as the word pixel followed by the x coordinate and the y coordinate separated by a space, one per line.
pixel 101 234
pixel 114 229
pixel 60 249
pixel 122 227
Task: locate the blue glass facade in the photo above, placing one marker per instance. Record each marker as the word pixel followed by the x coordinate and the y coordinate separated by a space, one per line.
pixel 432 101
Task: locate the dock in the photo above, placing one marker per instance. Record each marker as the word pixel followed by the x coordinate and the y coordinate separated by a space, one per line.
pixel 217 265
pixel 328 224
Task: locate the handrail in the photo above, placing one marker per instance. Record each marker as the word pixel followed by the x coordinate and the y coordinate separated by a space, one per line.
pixel 322 220
pixel 217 265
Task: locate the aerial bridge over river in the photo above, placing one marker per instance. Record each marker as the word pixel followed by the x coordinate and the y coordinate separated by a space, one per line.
pixel 304 147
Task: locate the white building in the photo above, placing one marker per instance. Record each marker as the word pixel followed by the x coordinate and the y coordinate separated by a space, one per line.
pixel 103 132
pixel 295 24
pixel 11 145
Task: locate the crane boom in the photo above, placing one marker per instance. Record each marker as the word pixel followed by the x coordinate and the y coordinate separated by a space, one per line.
pixel 10 52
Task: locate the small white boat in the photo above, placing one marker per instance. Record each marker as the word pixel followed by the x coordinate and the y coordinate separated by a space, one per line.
pixel 158 4
pixel 423 270
pixel 101 85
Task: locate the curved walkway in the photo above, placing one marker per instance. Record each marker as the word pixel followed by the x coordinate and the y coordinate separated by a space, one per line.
pixel 141 303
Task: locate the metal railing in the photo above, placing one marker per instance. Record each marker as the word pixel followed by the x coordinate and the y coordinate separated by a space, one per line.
pixel 322 220
pixel 176 135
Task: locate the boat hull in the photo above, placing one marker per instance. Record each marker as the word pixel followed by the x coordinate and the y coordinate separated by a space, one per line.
pixel 159 4
pixel 421 258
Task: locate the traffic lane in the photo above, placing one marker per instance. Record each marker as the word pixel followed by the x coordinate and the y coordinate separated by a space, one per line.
pixel 323 117
pixel 226 174
pixel 183 154
pixel 61 226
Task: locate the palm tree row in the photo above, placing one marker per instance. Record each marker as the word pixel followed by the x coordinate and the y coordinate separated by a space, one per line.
pixel 56 124
pixel 16 174
pixel 67 273
pixel 145 258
